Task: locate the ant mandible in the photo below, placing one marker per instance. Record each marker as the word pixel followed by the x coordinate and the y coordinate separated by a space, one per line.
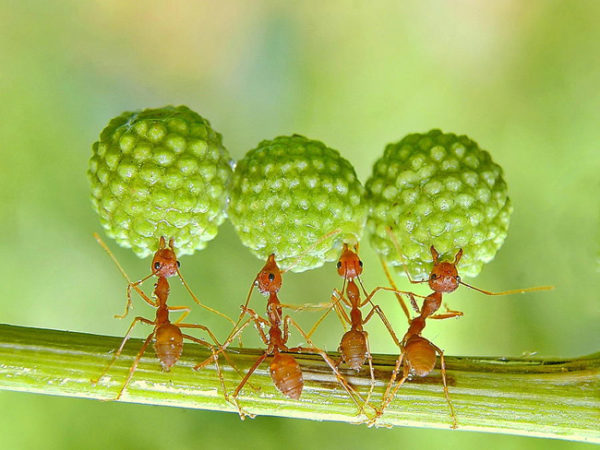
pixel 167 335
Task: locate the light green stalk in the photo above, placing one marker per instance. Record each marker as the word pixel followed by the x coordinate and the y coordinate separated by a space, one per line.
pixel 532 397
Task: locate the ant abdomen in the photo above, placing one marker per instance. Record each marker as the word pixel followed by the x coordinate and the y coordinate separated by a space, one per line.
pixel 353 348
pixel 420 355
pixel 287 375
pixel 168 345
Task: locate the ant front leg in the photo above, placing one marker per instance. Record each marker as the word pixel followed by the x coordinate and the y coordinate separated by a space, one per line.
pixel 135 285
pixel 259 322
pixel 388 325
pixel 448 314
pixel 185 312
pixel 336 298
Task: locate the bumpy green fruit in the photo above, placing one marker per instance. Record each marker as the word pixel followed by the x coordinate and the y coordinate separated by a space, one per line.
pixel 160 172
pixel 288 193
pixel 437 189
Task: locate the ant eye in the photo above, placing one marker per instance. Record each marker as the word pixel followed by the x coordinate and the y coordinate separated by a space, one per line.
pixel 339 264
pixel 156 265
pixel 360 263
pixel 433 276
pixel 271 276
pixel 457 278
pixel 178 264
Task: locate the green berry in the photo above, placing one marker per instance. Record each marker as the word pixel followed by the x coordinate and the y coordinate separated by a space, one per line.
pixel 160 172
pixel 288 193
pixel 437 189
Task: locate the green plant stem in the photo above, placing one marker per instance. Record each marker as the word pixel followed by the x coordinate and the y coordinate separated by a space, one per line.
pixel 532 397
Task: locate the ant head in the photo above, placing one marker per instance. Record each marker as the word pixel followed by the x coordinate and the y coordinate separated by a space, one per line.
pixel 268 279
pixel 444 275
pixel 165 263
pixel 349 265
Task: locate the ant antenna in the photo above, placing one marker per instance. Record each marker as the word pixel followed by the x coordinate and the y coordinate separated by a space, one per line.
pixel 512 291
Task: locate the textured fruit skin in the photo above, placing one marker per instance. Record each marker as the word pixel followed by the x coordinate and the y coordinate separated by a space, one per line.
pixel 160 172
pixel 291 191
pixel 437 189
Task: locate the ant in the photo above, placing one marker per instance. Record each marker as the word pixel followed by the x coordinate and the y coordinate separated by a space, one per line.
pixel 354 346
pixel 419 353
pixel 417 357
pixel 167 335
pixel 285 371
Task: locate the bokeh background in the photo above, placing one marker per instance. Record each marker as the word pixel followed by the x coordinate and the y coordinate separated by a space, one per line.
pixel 521 78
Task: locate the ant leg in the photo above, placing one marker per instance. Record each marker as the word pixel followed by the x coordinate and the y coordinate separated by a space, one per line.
pixel 236 326
pixel 307 306
pixel 215 358
pixel 338 310
pixel 186 311
pixel 398 295
pixel 371 371
pixel 389 393
pixel 130 284
pixel 135 286
pixel 136 362
pixel 224 345
pixel 388 325
pixel 120 349
pixel 235 394
pixel 313 349
pixel 447 315
pixel 446 393
pixel 258 323
pixel 197 300
pixel 216 342
pixel 413 303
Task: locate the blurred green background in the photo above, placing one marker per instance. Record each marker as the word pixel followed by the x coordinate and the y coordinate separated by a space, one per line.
pixel 521 78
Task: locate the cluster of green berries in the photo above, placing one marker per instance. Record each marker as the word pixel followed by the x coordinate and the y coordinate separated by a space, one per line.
pixel 160 172
pixel 165 172
pixel 437 189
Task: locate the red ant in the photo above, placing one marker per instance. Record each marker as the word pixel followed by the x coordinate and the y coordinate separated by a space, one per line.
pixel 418 357
pixel 285 371
pixel 419 353
pixel 354 346
pixel 168 336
